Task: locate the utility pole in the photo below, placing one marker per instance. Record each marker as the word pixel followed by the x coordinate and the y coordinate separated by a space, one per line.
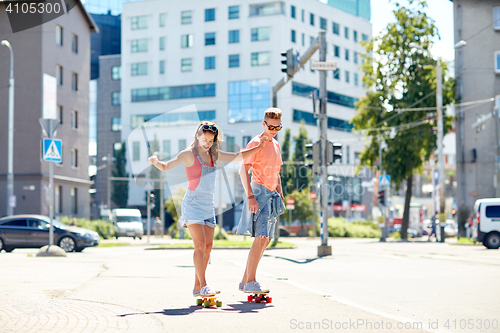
pixel 10 135
pixel 108 166
pixel 148 203
pixel 323 249
pixel 442 176
pixel 382 211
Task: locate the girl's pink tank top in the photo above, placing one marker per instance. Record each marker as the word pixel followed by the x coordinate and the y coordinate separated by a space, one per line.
pixel 193 172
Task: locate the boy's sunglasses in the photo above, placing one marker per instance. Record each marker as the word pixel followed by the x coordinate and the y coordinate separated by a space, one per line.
pixel 212 128
pixel 274 128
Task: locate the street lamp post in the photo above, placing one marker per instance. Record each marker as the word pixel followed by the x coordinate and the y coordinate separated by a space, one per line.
pixel 10 153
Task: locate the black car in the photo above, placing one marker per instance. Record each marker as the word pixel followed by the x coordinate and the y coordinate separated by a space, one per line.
pixel 32 231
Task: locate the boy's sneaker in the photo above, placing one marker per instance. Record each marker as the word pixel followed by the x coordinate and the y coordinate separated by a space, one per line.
pixel 241 286
pixel 207 291
pixel 254 286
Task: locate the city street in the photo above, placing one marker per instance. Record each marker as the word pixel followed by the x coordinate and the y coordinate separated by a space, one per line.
pixel 365 286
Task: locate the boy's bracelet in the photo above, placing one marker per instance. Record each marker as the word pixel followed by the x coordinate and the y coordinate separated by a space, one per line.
pixel 251 196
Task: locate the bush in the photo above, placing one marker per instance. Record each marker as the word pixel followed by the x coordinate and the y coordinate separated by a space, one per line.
pixel 338 227
pixel 106 230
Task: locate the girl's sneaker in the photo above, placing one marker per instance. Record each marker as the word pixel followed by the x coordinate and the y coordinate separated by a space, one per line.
pixel 207 291
pixel 196 292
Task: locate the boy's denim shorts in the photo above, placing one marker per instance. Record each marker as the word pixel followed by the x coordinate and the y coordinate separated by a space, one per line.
pixel 264 225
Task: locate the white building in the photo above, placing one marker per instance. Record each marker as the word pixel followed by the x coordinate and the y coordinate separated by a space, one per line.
pixel 222 58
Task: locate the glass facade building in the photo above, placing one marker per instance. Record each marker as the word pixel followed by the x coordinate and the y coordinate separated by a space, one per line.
pixel 112 7
pixel 359 8
pixel 248 100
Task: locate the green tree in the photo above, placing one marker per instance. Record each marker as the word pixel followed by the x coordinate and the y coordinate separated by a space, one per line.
pixel 303 207
pixel 398 77
pixel 119 191
pixel 287 169
pixel 301 175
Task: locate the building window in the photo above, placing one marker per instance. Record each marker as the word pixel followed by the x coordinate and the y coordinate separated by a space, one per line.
pixel 163 18
pixel 336 74
pixel 234 36
pixel 234 12
pixel 74 158
pixel 136 151
pixel 355 57
pixel 171 119
pixel 303 15
pixel 74 81
pixel 347 155
pixel 175 92
pixel 273 8
pixel 292 11
pixel 303 39
pixel 59 35
pixel 139 45
pixel 347 76
pixel 322 23
pixel 234 60
pixel 356 82
pixel 246 140
pixel 355 35
pixel 116 72
pixel 336 51
pixel 187 17
pixel 209 14
pixel 74 200
pixel 186 65
pixel 182 144
pixel 310 119
pixel 116 97
pixel 210 38
pixel 139 22
pixel 248 100
pixel 59 75
pixel 139 68
pixel 187 41
pixel 302 90
pixel 497 62
pixel 260 34
pixel 364 37
pixel 60 112
pixel 336 28
pixel 117 146
pixel 74 43
pixel 346 32
pixel 58 199
pixel 162 66
pixel 230 146
pixel 347 54
pixel 496 17
pixel 209 62
pixel 260 58
pixel 162 43
pixel 293 36
pixel 166 149
pixel 311 40
pixel 116 124
pixel 74 119
pixel 311 19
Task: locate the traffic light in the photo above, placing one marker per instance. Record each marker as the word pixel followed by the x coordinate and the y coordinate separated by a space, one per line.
pixel 313 153
pixel 331 154
pixel 289 62
pixel 453 212
pixel 152 200
pixel 381 197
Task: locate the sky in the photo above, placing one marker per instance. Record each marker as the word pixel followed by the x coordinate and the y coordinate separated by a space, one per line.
pixel 439 10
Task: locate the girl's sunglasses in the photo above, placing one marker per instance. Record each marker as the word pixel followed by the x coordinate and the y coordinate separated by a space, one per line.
pixel 274 128
pixel 212 128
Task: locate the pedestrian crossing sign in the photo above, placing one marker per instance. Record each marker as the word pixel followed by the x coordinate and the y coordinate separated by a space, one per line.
pixel 385 180
pixel 52 150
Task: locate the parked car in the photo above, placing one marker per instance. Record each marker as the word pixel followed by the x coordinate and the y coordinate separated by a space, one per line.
pixel 412 233
pixel 488 222
pixel 128 222
pixel 450 228
pixel 32 231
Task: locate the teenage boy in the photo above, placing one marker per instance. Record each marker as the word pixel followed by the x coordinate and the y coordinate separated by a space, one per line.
pixel 264 201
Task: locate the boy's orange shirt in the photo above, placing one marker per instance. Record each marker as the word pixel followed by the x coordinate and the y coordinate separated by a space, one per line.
pixel 266 163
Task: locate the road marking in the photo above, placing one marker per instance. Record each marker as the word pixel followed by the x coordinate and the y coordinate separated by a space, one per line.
pixel 348 303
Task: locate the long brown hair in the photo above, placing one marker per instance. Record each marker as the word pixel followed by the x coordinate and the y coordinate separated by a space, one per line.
pixel 214 149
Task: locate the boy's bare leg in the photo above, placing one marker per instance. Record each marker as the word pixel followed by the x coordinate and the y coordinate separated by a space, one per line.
pixel 256 251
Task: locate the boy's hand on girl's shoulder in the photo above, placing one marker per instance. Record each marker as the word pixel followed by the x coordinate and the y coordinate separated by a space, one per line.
pixel 153 159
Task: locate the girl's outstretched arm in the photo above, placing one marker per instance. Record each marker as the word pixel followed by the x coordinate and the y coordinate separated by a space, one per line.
pixel 241 155
pixel 182 157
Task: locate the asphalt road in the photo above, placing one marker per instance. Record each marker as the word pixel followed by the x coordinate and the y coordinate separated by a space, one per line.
pixel 365 286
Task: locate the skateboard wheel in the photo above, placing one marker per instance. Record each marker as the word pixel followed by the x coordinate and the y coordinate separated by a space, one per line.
pixel 219 304
pixel 269 299
pixel 199 302
pixel 206 304
pixel 250 298
pixel 257 299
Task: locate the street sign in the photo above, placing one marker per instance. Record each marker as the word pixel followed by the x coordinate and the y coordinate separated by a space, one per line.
pixel 49 126
pixel 12 201
pixel 148 185
pixel 52 150
pixel 385 180
pixel 324 65
pixel 290 207
pixel 312 196
pixel 290 203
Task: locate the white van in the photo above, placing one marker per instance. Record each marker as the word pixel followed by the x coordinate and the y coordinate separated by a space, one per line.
pixel 488 222
pixel 128 222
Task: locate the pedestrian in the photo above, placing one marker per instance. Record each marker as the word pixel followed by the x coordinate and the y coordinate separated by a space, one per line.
pixel 157 227
pixel 433 225
pixel 198 207
pixel 469 224
pixel 73 221
pixel 180 226
pixel 264 201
